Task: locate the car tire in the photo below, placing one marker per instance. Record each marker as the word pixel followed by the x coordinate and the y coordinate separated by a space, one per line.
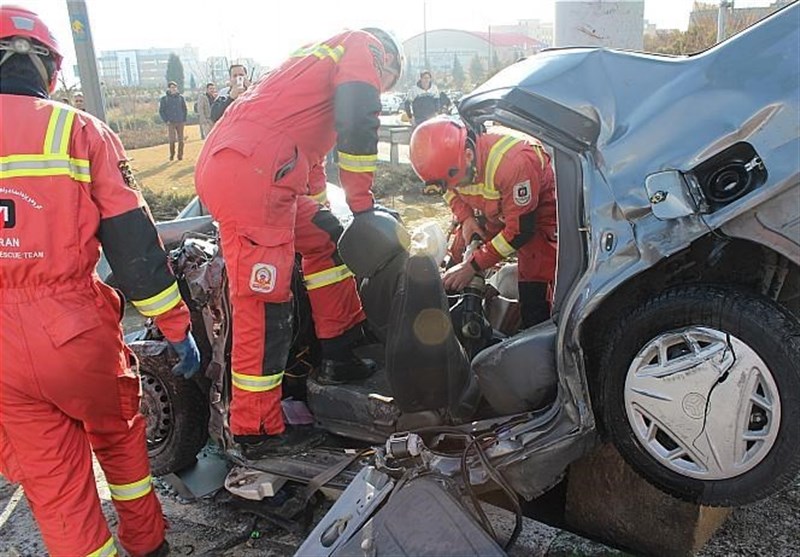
pixel 659 391
pixel 175 410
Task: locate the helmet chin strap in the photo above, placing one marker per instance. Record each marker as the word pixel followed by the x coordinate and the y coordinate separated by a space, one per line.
pixel 48 84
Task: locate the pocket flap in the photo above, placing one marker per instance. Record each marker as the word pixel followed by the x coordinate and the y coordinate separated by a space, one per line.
pixel 72 323
pixel 238 144
pixel 266 235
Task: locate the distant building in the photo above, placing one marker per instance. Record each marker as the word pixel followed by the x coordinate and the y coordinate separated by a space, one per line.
pixel 615 24
pixel 542 31
pixel 147 67
pixel 217 69
pixel 444 44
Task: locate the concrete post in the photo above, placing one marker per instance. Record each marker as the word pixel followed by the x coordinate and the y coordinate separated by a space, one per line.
pixel 87 62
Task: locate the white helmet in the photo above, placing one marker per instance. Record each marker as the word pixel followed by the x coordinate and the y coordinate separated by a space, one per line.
pixel 392 46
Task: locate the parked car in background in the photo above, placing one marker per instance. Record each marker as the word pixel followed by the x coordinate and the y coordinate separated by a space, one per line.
pixel 390 103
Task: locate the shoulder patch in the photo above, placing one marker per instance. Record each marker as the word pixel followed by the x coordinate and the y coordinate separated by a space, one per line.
pixel 522 193
pixel 127 175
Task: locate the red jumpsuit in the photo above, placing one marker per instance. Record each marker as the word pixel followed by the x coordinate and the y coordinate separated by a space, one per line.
pixel 68 383
pixel 254 174
pixel 514 189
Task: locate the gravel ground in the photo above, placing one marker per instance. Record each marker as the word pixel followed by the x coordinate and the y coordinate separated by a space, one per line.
pixel 210 527
pixel 771 527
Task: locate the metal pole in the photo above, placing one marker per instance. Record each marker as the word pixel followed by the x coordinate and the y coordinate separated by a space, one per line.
pixel 87 62
pixel 425 34
pixel 722 17
pixel 489 61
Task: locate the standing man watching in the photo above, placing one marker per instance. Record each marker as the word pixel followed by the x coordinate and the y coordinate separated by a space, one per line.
pixel 508 182
pixel 253 175
pixel 423 100
pixel 238 84
pixel 68 383
pixel 204 102
pixel 173 112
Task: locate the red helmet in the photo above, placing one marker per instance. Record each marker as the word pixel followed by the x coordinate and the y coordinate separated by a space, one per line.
pixel 437 151
pixel 18 24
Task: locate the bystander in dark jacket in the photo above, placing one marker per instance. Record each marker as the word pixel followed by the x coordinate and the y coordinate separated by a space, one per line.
pixel 172 110
pixel 237 85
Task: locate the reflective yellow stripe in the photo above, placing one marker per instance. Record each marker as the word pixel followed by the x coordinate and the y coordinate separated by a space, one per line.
pixel 14 166
pixel 539 150
pixel 160 303
pixel 54 159
pixel 480 190
pixel 59 128
pixel 321 51
pixel 495 156
pixel 51 129
pixel 256 383
pixel 108 549
pixel 502 246
pixel 65 135
pixel 449 196
pixel 358 163
pixel 321 197
pixel 131 491
pixel 327 277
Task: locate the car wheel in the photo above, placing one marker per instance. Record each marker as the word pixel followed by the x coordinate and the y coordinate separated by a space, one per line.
pixel 701 394
pixel 175 411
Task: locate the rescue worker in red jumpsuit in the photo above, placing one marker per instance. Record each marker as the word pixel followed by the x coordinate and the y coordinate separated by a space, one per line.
pixel 68 383
pixel 253 175
pixel 509 183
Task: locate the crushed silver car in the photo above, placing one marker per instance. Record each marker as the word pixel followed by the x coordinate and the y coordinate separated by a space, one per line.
pixel 676 318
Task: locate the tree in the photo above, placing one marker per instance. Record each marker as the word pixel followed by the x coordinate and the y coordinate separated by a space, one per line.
pixel 409 75
pixel 702 32
pixel 458 73
pixel 192 83
pixel 175 70
pixel 496 66
pixel 476 70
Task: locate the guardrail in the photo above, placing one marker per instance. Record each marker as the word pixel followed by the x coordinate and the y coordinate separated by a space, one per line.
pixel 394 135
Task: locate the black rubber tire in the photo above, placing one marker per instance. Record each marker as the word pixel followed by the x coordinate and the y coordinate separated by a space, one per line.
pixel 769 329
pixel 186 410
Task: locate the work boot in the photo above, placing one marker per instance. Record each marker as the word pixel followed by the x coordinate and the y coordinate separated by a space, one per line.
pixel 336 372
pixel 295 439
pixel 161 551
pixel 339 362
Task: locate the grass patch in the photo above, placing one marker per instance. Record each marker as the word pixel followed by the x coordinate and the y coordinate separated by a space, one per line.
pixel 165 205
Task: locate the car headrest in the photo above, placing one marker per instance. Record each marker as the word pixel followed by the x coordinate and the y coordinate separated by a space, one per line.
pixel 370 241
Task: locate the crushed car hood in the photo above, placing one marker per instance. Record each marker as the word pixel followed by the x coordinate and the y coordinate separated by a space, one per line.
pixel 641 113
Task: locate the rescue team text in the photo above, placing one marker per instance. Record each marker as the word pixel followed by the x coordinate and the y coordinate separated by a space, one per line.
pixel 21 255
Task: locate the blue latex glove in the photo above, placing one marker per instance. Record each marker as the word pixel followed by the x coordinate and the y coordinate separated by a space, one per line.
pixel 189 355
